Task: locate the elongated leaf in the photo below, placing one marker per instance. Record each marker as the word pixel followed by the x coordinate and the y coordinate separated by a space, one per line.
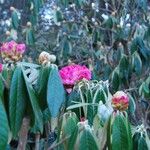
pixel 72 139
pixel 124 67
pixel 67 48
pixel 55 92
pixel 1 86
pixel 80 105
pixel 120 134
pixel 38 117
pixel 87 141
pixel 17 101
pixel 115 80
pixel 70 125
pixel 4 128
pixel 42 86
pixel 132 105
pixel 15 20
pixel 30 39
pixel 139 142
pixel 137 63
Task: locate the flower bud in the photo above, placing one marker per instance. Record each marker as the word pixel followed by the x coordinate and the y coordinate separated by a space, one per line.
pixel 29 24
pixel 52 58
pixel 45 58
pixel 7 33
pixel 12 8
pixel 120 101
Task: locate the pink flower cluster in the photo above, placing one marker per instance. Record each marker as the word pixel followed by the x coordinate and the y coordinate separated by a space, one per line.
pixel 120 101
pixel 12 50
pixel 74 73
pixel 1 67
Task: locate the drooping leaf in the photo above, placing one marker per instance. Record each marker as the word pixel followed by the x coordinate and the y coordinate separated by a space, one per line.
pixel 132 105
pixel 115 80
pixel 15 20
pixel 38 116
pixel 55 92
pixel 124 67
pixel 17 101
pixel 4 127
pixel 30 39
pixel 137 63
pixel 42 83
pixel 59 16
pixel 67 48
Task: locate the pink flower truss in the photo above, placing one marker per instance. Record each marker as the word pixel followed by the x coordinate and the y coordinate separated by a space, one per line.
pixel 74 73
pixel 1 67
pixel 12 50
pixel 120 101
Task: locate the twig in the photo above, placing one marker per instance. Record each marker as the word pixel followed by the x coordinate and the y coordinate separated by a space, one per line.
pixel 23 134
pixel 37 141
pixel 59 143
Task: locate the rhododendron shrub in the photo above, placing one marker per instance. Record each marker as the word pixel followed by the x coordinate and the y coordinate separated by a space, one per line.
pixel 103 56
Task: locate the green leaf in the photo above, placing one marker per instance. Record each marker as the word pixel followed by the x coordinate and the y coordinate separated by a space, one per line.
pixel 17 101
pixel 4 128
pixel 139 142
pixel 1 87
pixel 30 39
pixel 87 141
pixel 15 20
pixel 59 16
pixel 42 85
pixel 137 63
pixel 55 92
pixel 46 115
pixel 132 105
pixel 134 46
pixel 80 105
pixel 121 137
pixel 70 125
pixel 67 48
pixel 100 96
pixel 72 139
pixel 38 116
pixel 115 80
pixel 124 67
pixel 108 23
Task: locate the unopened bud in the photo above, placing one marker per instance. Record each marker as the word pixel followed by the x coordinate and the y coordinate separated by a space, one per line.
pixel 29 24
